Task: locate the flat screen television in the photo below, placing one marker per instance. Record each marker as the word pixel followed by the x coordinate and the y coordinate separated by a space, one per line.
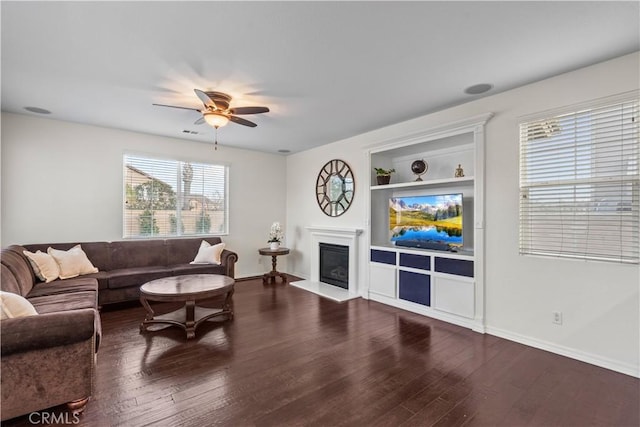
pixel 430 222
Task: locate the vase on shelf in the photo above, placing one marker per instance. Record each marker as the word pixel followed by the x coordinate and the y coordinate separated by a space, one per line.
pixel 383 179
pixel 274 245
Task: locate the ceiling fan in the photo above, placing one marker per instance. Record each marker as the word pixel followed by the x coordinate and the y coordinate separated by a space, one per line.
pixel 216 111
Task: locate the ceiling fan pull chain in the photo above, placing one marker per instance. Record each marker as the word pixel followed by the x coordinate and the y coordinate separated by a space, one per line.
pixel 215 144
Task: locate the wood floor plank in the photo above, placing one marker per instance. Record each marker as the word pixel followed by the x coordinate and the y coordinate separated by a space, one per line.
pixel 291 358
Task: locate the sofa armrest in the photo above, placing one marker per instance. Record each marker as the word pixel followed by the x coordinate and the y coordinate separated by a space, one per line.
pixel 228 259
pixel 42 331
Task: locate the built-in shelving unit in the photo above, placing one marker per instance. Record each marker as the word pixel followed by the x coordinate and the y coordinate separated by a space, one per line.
pixel 441 284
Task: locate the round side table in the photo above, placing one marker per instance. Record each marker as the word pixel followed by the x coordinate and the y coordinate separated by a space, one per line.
pixel 274 254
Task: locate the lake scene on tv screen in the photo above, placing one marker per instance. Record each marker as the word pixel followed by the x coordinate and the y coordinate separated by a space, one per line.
pixel 432 219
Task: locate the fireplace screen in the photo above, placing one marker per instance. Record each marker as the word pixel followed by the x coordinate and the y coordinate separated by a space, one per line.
pixel 334 265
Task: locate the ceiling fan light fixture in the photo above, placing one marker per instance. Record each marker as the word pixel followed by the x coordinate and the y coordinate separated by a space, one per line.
pixel 216 120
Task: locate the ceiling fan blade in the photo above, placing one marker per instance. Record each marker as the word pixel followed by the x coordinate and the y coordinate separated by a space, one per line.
pixel 241 121
pixel 175 106
pixel 199 121
pixel 208 102
pixel 249 110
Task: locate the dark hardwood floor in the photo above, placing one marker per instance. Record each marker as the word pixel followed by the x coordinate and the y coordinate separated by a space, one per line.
pixel 291 358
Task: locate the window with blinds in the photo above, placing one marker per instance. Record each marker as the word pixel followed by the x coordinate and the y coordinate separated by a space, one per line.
pixel 164 198
pixel 579 183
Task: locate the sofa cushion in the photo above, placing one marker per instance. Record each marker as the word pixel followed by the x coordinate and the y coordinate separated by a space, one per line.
pixel 134 254
pixel 44 266
pixel 73 262
pixel 183 251
pixel 101 276
pixel 181 269
pixel 14 305
pixel 127 277
pixel 64 302
pixel 97 252
pixel 208 254
pixel 19 266
pixel 79 284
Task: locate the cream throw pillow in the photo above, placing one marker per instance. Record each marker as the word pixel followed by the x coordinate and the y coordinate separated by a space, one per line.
pixel 72 263
pixel 14 305
pixel 44 266
pixel 208 254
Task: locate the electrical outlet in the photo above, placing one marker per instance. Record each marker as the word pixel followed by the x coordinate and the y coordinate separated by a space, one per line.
pixel 557 317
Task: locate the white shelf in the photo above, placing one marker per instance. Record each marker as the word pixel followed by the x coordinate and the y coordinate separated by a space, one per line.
pixel 430 183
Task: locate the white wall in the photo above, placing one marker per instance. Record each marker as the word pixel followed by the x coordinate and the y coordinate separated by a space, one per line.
pixel 599 301
pixel 62 182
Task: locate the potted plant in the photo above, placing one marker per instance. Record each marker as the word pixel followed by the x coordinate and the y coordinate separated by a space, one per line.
pixel 275 236
pixel 383 176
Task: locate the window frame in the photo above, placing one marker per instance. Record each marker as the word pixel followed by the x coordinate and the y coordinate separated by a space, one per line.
pixel 177 160
pixel 594 181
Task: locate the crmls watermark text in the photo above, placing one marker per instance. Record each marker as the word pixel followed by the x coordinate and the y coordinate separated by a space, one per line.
pixel 44 418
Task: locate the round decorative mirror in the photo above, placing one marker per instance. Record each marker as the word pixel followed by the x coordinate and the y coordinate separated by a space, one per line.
pixel 335 187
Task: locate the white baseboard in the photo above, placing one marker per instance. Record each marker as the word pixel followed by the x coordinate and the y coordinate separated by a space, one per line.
pixel 603 362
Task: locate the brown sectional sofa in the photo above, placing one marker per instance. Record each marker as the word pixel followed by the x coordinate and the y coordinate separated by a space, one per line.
pixel 126 265
pixel 49 359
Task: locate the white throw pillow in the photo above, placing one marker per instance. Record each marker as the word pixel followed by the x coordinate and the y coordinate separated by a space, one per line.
pixel 14 305
pixel 208 254
pixel 73 262
pixel 44 266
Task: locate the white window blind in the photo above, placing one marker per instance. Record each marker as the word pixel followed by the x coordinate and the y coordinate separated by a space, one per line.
pixel 579 184
pixel 164 198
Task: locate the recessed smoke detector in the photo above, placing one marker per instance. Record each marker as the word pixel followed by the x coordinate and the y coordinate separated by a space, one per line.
pixel 478 89
pixel 37 110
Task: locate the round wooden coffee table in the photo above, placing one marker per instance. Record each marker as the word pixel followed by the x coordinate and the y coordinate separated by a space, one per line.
pixel 187 289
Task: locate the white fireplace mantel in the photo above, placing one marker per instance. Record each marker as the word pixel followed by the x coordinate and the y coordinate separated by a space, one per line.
pixel 335 230
pixel 338 236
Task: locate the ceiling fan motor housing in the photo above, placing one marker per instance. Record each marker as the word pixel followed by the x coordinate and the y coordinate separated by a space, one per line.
pixel 222 100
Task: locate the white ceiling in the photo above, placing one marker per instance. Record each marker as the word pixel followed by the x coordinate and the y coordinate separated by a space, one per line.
pixel 327 70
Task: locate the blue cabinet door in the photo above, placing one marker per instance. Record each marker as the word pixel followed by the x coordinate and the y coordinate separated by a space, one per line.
pixel 459 267
pixel 415 287
pixel 385 257
pixel 415 261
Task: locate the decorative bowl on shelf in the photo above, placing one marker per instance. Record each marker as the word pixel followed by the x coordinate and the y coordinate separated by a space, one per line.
pixel 419 168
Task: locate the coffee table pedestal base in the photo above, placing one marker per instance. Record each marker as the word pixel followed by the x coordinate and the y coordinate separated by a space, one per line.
pixel 188 318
